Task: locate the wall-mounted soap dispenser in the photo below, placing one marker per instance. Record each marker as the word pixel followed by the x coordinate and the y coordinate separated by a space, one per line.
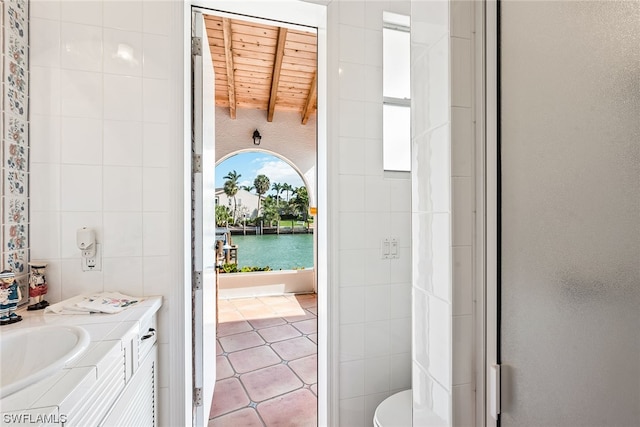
pixel 91 254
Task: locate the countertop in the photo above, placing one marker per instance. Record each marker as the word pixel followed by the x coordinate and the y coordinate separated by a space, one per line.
pixel 110 335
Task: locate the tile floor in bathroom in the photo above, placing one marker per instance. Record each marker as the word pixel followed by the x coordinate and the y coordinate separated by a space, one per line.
pixel 266 362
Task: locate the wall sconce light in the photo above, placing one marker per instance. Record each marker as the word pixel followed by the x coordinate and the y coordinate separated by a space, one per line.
pixel 256 137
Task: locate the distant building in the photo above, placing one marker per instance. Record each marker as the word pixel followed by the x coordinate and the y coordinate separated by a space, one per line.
pixel 246 202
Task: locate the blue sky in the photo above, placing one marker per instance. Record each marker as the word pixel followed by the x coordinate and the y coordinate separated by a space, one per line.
pixel 249 165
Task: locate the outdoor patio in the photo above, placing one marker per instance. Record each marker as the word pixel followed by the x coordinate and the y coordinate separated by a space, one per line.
pixel 266 362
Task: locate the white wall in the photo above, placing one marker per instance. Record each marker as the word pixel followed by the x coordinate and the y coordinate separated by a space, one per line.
pixel 104 154
pixel 443 205
pixel 285 136
pixel 373 295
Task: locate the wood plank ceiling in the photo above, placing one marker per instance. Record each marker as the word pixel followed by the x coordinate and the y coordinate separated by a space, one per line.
pixel 263 67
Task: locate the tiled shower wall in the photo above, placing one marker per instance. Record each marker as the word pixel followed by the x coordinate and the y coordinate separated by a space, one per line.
pixel 443 211
pixel 14 128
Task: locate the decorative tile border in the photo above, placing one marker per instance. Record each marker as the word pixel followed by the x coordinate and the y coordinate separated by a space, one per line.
pixel 15 49
pixel 15 237
pixel 16 210
pixel 15 157
pixel 23 285
pixel 15 130
pixel 15 183
pixel 15 18
pixel 14 147
pixel 16 261
pixel 15 76
pixel 21 6
pixel 15 101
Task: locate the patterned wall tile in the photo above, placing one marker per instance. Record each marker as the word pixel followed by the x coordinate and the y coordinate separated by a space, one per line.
pixel 15 76
pixel 15 130
pixel 15 156
pixel 15 183
pixel 15 210
pixel 16 261
pixel 23 285
pixel 21 6
pixel 15 101
pixel 15 18
pixel 15 49
pixel 14 149
pixel 15 237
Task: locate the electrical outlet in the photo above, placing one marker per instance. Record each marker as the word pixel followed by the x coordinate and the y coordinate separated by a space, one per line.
pixel 88 253
pixel 92 263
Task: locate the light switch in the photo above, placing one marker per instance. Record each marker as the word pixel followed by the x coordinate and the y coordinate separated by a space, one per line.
pixel 394 248
pixel 385 248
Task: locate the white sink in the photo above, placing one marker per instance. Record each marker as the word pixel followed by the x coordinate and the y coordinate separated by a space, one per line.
pixel 31 354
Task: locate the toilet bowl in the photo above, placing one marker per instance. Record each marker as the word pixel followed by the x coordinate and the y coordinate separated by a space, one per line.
pixel 394 411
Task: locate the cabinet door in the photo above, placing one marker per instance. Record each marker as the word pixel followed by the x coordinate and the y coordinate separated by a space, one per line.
pixel 137 404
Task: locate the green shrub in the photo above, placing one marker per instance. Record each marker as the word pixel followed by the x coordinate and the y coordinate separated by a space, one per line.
pixel 233 268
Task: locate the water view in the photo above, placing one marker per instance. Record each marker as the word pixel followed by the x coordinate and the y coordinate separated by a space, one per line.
pixel 280 252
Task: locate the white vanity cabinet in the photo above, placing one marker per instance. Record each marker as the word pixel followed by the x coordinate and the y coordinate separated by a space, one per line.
pixel 113 383
pixel 137 405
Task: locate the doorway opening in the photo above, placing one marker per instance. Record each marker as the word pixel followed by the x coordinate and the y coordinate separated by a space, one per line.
pixel 265 83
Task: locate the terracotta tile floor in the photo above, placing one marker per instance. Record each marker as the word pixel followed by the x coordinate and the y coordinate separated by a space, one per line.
pixel 267 362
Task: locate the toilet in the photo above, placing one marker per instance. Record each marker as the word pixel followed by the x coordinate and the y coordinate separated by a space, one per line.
pixel 394 411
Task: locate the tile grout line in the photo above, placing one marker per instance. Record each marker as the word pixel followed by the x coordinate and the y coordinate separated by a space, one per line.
pixel 252 404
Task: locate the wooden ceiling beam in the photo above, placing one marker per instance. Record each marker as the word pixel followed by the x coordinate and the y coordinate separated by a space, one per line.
pixel 231 84
pixel 311 99
pixel 277 66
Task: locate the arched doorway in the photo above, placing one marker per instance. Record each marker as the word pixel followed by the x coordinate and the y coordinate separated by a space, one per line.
pixel 263 204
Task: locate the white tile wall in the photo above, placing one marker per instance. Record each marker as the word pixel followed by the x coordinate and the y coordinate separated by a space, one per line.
pixel 81 94
pixel 82 12
pixel 352 342
pixel 81 141
pixel 100 151
pixel 463 396
pixel 352 304
pixel 122 97
pixel 45 82
pixel 45 132
pixel 351 412
pixel 443 205
pixel 122 143
pixel 45 43
pixel 80 47
pixel 374 293
pixel 122 52
pixel 45 9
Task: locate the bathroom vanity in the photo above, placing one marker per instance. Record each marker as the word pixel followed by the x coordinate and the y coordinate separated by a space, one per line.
pixel 113 382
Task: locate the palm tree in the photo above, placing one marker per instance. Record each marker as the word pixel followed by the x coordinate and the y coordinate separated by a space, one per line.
pixel 287 187
pixel 223 215
pixel 300 202
pixel 262 185
pixel 231 188
pixel 270 210
pixel 277 187
pixel 248 188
